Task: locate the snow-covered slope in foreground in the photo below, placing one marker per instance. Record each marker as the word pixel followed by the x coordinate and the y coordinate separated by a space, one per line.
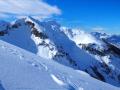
pixel 21 70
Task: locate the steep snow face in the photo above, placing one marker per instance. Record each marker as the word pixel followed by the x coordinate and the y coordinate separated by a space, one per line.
pixel 19 34
pixel 24 70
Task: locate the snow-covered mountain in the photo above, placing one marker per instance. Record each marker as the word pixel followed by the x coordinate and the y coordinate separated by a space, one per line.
pixel 95 53
pixel 102 47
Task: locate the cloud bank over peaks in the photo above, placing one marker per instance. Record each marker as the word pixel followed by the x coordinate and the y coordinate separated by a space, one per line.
pixel 35 8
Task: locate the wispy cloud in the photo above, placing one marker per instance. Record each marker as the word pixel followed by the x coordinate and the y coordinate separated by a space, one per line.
pixel 37 8
pixel 98 29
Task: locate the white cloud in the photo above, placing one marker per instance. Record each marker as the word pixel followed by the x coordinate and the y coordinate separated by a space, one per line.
pixel 27 8
pixel 98 29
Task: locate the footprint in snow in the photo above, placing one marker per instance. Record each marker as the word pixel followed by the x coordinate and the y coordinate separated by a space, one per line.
pixel 35 65
pixel 17 53
pixel 38 65
pixel 21 57
pixel 3 46
pixel 62 83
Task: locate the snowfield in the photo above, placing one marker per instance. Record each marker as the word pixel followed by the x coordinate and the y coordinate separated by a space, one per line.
pixel 22 70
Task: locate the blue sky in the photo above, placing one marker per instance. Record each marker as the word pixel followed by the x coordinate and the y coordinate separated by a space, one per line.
pixel 89 14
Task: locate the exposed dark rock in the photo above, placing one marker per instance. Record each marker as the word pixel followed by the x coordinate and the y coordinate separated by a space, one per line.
pixel 39 34
pixel 31 24
pixel 112 48
pixel 15 26
pixel 35 31
pixel 92 50
pixel 106 68
pixel 98 74
pixel 63 54
pixel 119 77
pixel 2 33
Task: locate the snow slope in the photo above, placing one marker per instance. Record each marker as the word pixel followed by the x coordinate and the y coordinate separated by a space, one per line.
pixel 20 69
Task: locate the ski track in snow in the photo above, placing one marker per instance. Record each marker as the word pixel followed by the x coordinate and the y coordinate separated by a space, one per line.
pixel 66 83
pixel 62 83
pixel 39 65
pixel 57 80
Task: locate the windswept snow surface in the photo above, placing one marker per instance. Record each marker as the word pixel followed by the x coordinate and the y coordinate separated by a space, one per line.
pixel 22 70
